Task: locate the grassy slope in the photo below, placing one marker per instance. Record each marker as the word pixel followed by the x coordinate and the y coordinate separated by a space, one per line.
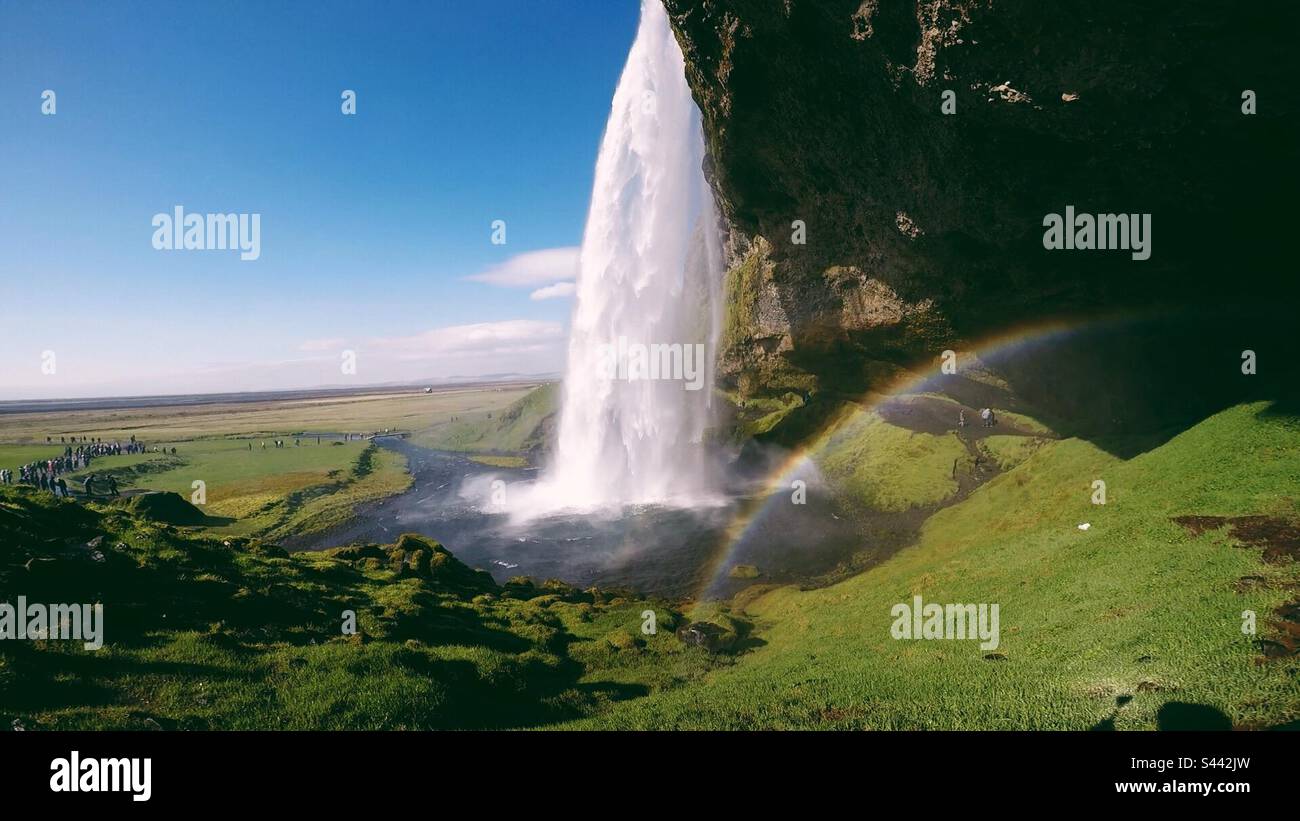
pixel 203 634
pixel 1009 451
pixel 890 468
pixel 515 429
pixel 1133 607
pixel 237 635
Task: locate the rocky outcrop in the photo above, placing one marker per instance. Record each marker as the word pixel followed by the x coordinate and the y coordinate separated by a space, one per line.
pixel 825 123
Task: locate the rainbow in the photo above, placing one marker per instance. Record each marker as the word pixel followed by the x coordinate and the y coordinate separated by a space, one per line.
pixel 776 486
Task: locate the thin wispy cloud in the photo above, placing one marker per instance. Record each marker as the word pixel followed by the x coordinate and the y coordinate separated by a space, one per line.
pixel 528 270
pixel 317 345
pixel 481 338
pixel 557 291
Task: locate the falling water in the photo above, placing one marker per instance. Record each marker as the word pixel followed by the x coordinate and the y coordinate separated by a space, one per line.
pixel 650 273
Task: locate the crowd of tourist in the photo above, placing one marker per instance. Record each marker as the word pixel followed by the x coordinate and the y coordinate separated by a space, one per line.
pixel 78 455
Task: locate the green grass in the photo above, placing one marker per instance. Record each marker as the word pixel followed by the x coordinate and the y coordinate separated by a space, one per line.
pixel 11 456
pixel 513 430
pixel 271 492
pixel 890 468
pixel 362 413
pixel 1100 626
pixel 1133 608
pixel 210 634
pixel 1009 451
pixel 1023 422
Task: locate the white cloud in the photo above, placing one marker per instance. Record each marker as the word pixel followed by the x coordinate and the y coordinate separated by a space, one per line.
pixel 482 338
pixel 315 345
pixel 556 291
pixel 531 269
pixel 463 351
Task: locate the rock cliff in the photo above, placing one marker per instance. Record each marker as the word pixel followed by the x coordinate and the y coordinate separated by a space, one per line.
pixel 922 228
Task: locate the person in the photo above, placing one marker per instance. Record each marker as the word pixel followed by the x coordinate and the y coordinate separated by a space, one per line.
pixel 961 418
pixel 112 486
pixel 63 488
pixel 986 414
pixel 88 484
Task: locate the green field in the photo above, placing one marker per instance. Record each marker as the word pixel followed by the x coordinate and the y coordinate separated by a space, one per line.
pixel 1098 628
pixel 363 413
pixel 1109 627
pixel 267 491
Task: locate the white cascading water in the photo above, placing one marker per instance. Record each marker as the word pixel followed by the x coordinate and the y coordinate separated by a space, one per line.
pixel 650 273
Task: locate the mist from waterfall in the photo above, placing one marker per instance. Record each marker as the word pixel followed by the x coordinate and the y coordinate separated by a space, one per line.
pixel 650 275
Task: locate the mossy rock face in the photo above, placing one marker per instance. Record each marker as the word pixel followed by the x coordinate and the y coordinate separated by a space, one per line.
pixel 712 637
pixel 166 508
pixel 519 587
pixel 969 252
pixel 418 562
pixel 559 587
pixel 410 542
pixel 425 558
pixel 356 552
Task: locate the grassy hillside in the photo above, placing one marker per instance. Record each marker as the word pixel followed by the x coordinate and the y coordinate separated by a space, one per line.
pixel 890 468
pixel 1111 627
pixel 1099 628
pixel 237 634
pixel 519 428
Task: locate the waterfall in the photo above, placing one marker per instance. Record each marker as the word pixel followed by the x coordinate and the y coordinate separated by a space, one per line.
pixel 648 299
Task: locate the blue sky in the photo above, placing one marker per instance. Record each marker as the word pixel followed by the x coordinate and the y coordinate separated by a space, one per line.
pixel 375 228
